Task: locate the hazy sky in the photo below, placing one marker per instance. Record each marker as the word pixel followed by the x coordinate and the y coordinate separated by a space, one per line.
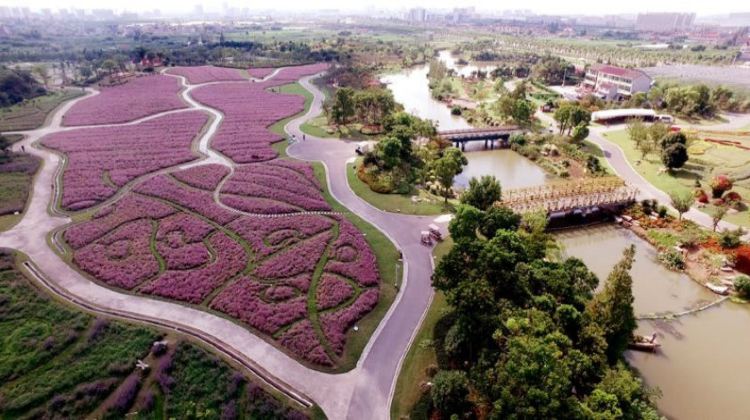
pixel 539 6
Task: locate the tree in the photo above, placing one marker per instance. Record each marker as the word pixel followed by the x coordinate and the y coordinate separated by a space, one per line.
pixel 343 105
pixel 681 201
pixel 656 132
pixel 562 116
pixel 42 71
pixel 674 156
pixel 717 213
pixel 449 391
pixel 497 218
pixel 673 138
pixel 580 132
pixel 638 133
pixel 465 222
pixel 447 167
pixel 482 193
pixel 719 185
pixel 612 308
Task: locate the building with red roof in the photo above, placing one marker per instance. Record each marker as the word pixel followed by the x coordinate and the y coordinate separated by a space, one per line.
pixel 612 82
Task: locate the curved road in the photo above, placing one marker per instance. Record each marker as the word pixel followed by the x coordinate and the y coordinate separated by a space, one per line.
pixel 362 393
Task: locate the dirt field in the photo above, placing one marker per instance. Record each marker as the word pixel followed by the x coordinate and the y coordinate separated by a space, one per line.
pixel 724 75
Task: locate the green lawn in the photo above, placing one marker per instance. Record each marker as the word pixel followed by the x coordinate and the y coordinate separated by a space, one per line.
pixel 716 159
pixel 421 354
pixel 595 150
pixel 397 203
pixel 32 113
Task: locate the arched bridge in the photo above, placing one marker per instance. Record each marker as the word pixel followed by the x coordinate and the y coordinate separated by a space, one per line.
pixel 488 135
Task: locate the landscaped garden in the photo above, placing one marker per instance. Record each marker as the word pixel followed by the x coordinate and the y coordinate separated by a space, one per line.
pixel 710 155
pixel 59 362
pixel 274 253
pixel 16 175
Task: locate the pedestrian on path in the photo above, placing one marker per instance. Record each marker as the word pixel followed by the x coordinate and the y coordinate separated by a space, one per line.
pixel 303 137
pixel 23 148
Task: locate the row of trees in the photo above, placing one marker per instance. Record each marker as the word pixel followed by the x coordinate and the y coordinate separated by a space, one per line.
pixel 526 336
pixel 573 120
pixel 692 101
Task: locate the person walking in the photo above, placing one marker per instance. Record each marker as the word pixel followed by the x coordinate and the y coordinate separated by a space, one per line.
pixel 303 137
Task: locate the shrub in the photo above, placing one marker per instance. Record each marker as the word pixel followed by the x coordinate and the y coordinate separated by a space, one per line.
pixel 742 286
pixel 449 391
pixel 719 185
pixel 701 196
pixel 672 259
pixel 662 212
pixel 730 239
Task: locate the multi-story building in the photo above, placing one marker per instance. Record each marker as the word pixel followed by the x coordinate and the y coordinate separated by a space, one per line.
pixel 417 14
pixel 614 83
pixel 664 22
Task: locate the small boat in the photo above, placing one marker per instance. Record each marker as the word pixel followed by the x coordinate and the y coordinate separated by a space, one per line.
pixel 718 289
pixel 644 343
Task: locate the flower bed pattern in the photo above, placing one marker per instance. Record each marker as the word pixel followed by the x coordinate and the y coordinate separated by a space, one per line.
pixel 137 98
pixel 205 74
pixel 100 160
pixel 249 109
pixel 272 189
pixel 302 280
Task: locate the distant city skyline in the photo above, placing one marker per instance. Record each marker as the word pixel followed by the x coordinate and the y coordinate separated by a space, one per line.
pixel 716 7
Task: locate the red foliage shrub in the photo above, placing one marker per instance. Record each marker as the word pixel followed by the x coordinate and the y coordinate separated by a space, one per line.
pixel 743 259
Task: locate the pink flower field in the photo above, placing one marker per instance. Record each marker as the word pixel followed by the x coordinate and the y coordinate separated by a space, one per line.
pixel 137 98
pixel 204 74
pixel 240 242
pixel 248 110
pixel 272 189
pixel 102 159
pixel 260 72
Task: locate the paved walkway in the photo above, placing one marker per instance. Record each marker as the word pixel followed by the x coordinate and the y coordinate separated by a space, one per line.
pixel 362 393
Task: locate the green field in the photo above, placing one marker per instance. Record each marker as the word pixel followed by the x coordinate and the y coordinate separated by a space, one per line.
pixel 421 354
pixel 32 113
pixel 713 159
pixel 59 362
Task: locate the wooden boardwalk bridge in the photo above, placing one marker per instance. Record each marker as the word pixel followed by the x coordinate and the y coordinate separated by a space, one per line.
pixel 571 197
pixel 488 135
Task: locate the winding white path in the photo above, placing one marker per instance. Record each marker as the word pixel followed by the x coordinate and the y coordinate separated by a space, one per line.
pixel 362 393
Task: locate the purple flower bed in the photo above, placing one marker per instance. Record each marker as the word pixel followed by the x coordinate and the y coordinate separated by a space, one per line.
pixel 248 111
pixel 122 258
pixel 301 340
pixel 180 241
pixel 293 73
pixel 332 291
pixel 304 168
pixel 137 98
pixel 257 205
pixel 201 202
pixel 364 268
pixel 297 259
pixel 260 72
pixel 242 300
pixel 102 159
pixel 129 208
pixel 279 293
pixel 205 177
pixel 267 236
pixel 195 285
pixel 336 324
pixel 272 182
pixel 204 74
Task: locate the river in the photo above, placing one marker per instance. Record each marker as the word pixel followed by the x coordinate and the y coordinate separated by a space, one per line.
pixel 701 366
pixel 410 88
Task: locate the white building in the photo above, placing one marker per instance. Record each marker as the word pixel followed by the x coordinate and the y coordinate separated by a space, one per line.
pixel 613 83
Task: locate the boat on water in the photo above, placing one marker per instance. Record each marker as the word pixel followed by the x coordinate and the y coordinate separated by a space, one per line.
pixel 644 343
